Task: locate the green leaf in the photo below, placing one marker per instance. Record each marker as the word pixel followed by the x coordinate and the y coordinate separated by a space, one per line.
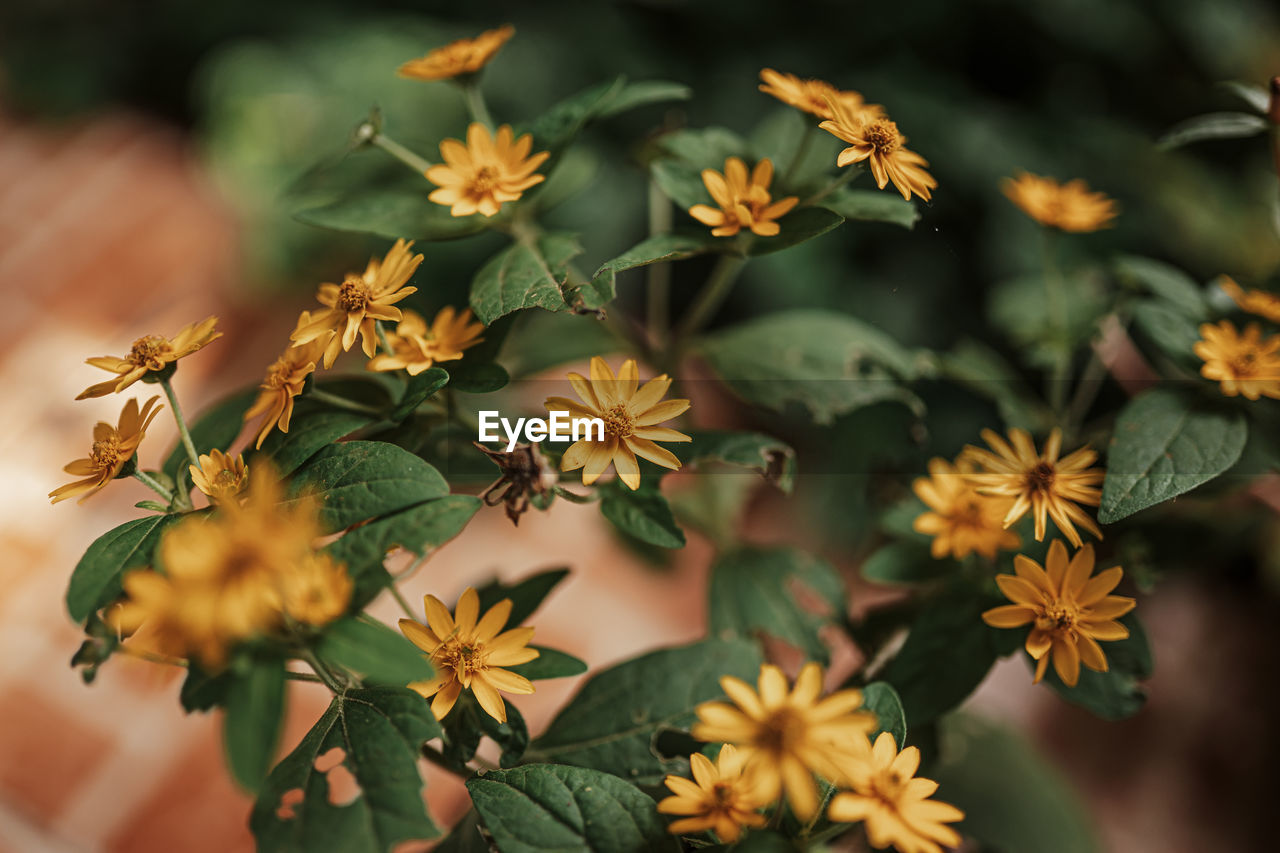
pixel 984 371
pixel 358 480
pixel 465 837
pixel 1020 307
pixel 799 225
pixel 542 807
pixel 1165 444
pixel 468 723
pixel 678 173
pixel 527 274
pixel 905 563
pixel 1212 126
pixel 880 698
pixel 655 250
pixel 764 590
pixel 216 428
pixel 611 723
pixel 643 513
pixel 526 595
pixel 550 663
pixel 1255 96
pixel 477 377
pixel 541 340
pixel 1169 330
pixel 1165 281
pixel 830 363
pixel 400 210
pixel 381 654
pixel 1116 693
pixel 765 455
pixel 378 733
pixel 202 691
pixel 642 93
pixel 255 715
pixel 418 389
pixel 95 581
pixel 872 206
pixel 312 427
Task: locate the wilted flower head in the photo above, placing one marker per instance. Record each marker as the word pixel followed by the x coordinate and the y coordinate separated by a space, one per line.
pixel 527 475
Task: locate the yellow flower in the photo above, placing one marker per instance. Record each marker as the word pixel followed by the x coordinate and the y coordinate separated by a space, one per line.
pixel 893 803
pixel 284 381
pixel 355 305
pixel 1040 482
pixel 1244 364
pixel 469 652
pixel 464 56
pixel 486 172
pixel 415 347
pixel 1068 207
pixel 317 591
pixel 220 476
pixel 112 448
pixel 786 737
pixel 721 797
pixel 1069 609
pixel 811 95
pixel 631 415
pixel 744 200
pixel 961 519
pixel 876 140
pixel 1260 302
pixel 150 354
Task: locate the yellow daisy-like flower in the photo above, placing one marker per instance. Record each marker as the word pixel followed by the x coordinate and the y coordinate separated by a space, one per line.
pixel 416 347
pixel 316 592
pixel 893 803
pixel 631 415
pixel 150 354
pixel 744 200
pixel 486 172
pixel 1042 483
pixel 786 737
pixel 1260 302
pixel 469 651
pixel 721 797
pixel 1069 608
pixel 961 519
pixel 876 141
pixel 464 56
pixel 354 306
pixel 113 446
pixel 811 95
pixel 1244 364
pixel 284 381
pixel 1067 207
pixel 221 477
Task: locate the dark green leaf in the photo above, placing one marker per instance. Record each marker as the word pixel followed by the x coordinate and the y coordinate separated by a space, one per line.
pixel 654 250
pixel 980 368
pixel 643 513
pixel 763 590
pixel 95 581
pixel 542 340
pixel 379 733
pixel 611 723
pixel 418 389
pixel 527 274
pixel 1255 96
pixel 768 457
pixel 1165 444
pixel 255 715
pixel 872 206
pixel 550 663
pixel 1116 693
pixel 216 428
pixel 1165 281
pixel 1212 126
pixel 477 377
pixel 359 480
pixel 381 654
pixel 396 211
pixel 552 807
pixel 468 723
pixel 202 691
pixel 799 225
pixel 1169 330
pixel 465 837
pixel 880 698
pixel 642 93
pixel 1021 308
pixel 685 153
pixel 905 562
pixel 526 595
pixel 313 427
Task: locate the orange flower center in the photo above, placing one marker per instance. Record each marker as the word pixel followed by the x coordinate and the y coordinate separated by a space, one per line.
pixel 1244 364
pixel 887 786
pixel 1040 478
pixel 484 181
pixel 1058 616
pixel 722 793
pixel 106 453
pixel 353 295
pixel 148 352
pixel 617 422
pixel 882 135
pixel 465 660
pixel 226 480
pixel 780 732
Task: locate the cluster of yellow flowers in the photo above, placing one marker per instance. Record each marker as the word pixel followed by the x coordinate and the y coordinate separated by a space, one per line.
pixel 1245 364
pixel 777 738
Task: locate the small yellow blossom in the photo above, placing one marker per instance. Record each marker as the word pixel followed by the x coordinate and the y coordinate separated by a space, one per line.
pixel 876 141
pixel 112 448
pixel 284 381
pixel 150 354
pixel 486 172
pixel 1259 302
pixel 721 797
pixel 631 415
pixel 786 737
pixel 893 803
pixel 1244 364
pixel 221 477
pixel 961 519
pixel 1041 483
pixel 469 651
pixel 414 347
pixel 354 306
pixel 316 592
pixel 1067 207
pixel 744 200
pixel 464 56
pixel 1069 609
pixel 811 95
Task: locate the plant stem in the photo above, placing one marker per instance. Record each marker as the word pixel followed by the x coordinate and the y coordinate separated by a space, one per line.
pixel 303 676
pixel 1060 375
pixel 849 173
pixel 1091 381
pixel 399 597
pixel 153 484
pixel 573 497
pixel 404 155
pixel 323 672
pixel 658 276
pixel 802 149
pixel 341 402
pixel 475 103
pixel 382 338
pixel 167 385
pixel 152 657
pixel 714 292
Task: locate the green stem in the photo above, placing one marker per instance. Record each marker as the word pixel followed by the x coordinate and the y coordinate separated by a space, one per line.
pixel 303 676
pixel 658 276
pixel 341 402
pixel 575 498
pixel 404 155
pixel 475 102
pixel 383 339
pixel 714 292
pixel 797 160
pixel 190 445
pixel 849 173
pixel 323 672
pixel 1055 297
pixel 154 485
pixel 404 605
